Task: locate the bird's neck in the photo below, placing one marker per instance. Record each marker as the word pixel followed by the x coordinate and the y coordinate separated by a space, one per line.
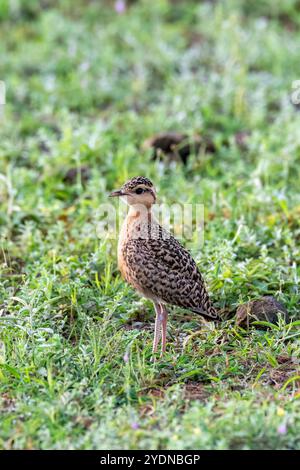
pixel 138 221
pixel 140 211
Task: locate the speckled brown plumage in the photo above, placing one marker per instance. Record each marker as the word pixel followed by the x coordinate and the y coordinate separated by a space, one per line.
pixel 136 181
pixel 163 270
pixel 153 261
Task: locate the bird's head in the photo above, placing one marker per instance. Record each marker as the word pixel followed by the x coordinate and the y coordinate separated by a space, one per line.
pixel 137 191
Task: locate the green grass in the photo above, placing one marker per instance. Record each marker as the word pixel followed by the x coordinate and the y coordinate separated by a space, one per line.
pixel 86 87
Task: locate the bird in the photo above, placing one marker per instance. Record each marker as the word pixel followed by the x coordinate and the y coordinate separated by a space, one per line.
pixel 154 263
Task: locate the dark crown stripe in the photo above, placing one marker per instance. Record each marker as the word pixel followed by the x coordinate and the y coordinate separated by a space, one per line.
pixel 133 182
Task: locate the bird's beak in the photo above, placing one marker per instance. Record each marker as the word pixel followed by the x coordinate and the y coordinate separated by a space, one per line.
pixel 118 193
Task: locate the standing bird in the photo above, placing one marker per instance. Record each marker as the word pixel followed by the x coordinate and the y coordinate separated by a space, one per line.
pixel 154 262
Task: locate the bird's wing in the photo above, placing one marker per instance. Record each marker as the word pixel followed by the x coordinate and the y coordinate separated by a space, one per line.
pixel 167 270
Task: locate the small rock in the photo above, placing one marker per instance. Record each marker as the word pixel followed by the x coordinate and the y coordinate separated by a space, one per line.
pixel 265 309
pixel 176 144
pixel 43 146
pixel 194 38
pixel 241 139
pixel 72 175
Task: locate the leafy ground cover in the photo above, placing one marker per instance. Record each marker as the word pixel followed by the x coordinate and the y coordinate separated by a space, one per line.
pixel 87 83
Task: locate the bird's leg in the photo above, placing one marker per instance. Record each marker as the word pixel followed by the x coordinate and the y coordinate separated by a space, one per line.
pixel 157 328
pixel 164 328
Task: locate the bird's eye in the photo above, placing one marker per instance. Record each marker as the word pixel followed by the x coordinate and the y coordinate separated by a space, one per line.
pixel 139 191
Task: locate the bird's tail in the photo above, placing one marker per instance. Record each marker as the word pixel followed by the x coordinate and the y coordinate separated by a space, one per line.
pixel 207 310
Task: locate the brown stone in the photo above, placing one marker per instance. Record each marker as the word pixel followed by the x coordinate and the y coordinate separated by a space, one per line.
pixel 176 145
pixel 266 309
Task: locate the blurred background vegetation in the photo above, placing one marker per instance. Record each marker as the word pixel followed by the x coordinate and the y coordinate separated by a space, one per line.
pixel 87 83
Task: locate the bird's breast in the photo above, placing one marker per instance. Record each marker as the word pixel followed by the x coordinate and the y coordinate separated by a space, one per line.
pixel 131 253
pixel 130 229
